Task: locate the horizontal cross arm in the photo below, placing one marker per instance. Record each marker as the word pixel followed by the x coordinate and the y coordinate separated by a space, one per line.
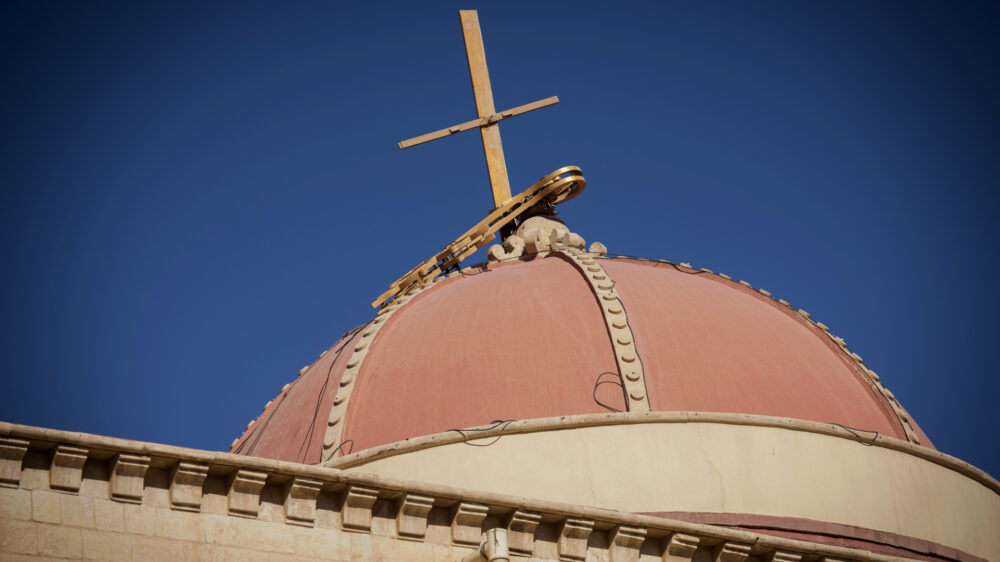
pixel 482 122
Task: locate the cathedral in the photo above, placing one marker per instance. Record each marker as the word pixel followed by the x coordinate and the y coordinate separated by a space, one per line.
pixel 556 402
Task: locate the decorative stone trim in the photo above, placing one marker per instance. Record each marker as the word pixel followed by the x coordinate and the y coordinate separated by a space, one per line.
pixel 244 492
pixel 591 420
pixel 411 521
pixel 671 539
pixel 680 548
pixel 357 510
pixel 300 501
pixel 573 535
pixel 616 320
pixel 128 474
pixel 625 543
pixel 521 531
pixel 66 470
pixel 186 486
pixel 333 439
pixel 11 456
pixel 731 552
pixel 467 524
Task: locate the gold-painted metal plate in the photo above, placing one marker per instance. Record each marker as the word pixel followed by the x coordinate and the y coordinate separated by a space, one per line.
pixel 557 187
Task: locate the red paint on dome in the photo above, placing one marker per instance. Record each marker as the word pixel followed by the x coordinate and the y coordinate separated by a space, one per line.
pixel 528 340
pixel 293 426
pixel 523 340
pixel 711 345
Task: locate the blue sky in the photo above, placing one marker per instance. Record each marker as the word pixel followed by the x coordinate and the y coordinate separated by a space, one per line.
pixel 199 198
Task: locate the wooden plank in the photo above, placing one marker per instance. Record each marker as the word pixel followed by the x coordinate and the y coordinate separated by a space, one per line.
pixel 492 147
pixel 483 121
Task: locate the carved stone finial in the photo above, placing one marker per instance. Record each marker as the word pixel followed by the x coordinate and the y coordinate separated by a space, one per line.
pixel 539 234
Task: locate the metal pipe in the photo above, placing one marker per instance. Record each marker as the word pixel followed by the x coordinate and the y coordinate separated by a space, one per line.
pixel 492 548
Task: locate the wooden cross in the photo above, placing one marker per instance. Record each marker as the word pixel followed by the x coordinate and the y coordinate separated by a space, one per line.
pixel 488 118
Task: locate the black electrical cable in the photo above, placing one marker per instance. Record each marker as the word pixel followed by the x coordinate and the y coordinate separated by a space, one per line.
pixel 319 396
pixel 496 423
pixel 854 431
pixel 598 382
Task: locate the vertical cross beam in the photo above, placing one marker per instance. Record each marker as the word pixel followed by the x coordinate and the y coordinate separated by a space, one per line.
pixel 484 105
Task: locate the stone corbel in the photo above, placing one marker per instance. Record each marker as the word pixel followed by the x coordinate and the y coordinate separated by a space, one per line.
pixel 357 510
pixel 731 552
pixel 411 522
pixel 521 531
pixel 300 502
pixel 12 453
pixel 244 492
pixel 784 556
pixel 625 543
pixel 680 548
pixel 573 535
pixel 186 486
pixel 467 524
pixel 128 477
pixel 66 470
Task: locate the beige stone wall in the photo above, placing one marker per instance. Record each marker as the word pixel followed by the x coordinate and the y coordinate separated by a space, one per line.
pixel 77 496
pixel 723 468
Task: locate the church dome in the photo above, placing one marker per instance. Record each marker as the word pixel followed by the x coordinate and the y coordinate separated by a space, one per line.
pixel 638 386
pixel 534 338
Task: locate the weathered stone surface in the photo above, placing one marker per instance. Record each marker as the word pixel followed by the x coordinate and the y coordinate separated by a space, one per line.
pixel 19 537
pixel 45 507
pixel 139 519
pixel 15 504
pixel 76 511
pixel 106 547
pixel 61 542
pixel 108 516
pixel 154 549
pixel 179 525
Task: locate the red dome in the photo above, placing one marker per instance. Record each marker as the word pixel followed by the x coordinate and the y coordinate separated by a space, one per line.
pixel 528 340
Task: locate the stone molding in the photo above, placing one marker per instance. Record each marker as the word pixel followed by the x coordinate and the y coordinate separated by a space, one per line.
pixel 333 439
pixel 628 418
pixel 616 321
pixel 300 501
pixel 244 492
pixel 128 474
pixel 411 522
pixel 467 523
pixel 186 485
pixel 66 471
pixel 11 455
pixel 521 528
pixel 357 509
pixel 471 510
pixel 680 548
